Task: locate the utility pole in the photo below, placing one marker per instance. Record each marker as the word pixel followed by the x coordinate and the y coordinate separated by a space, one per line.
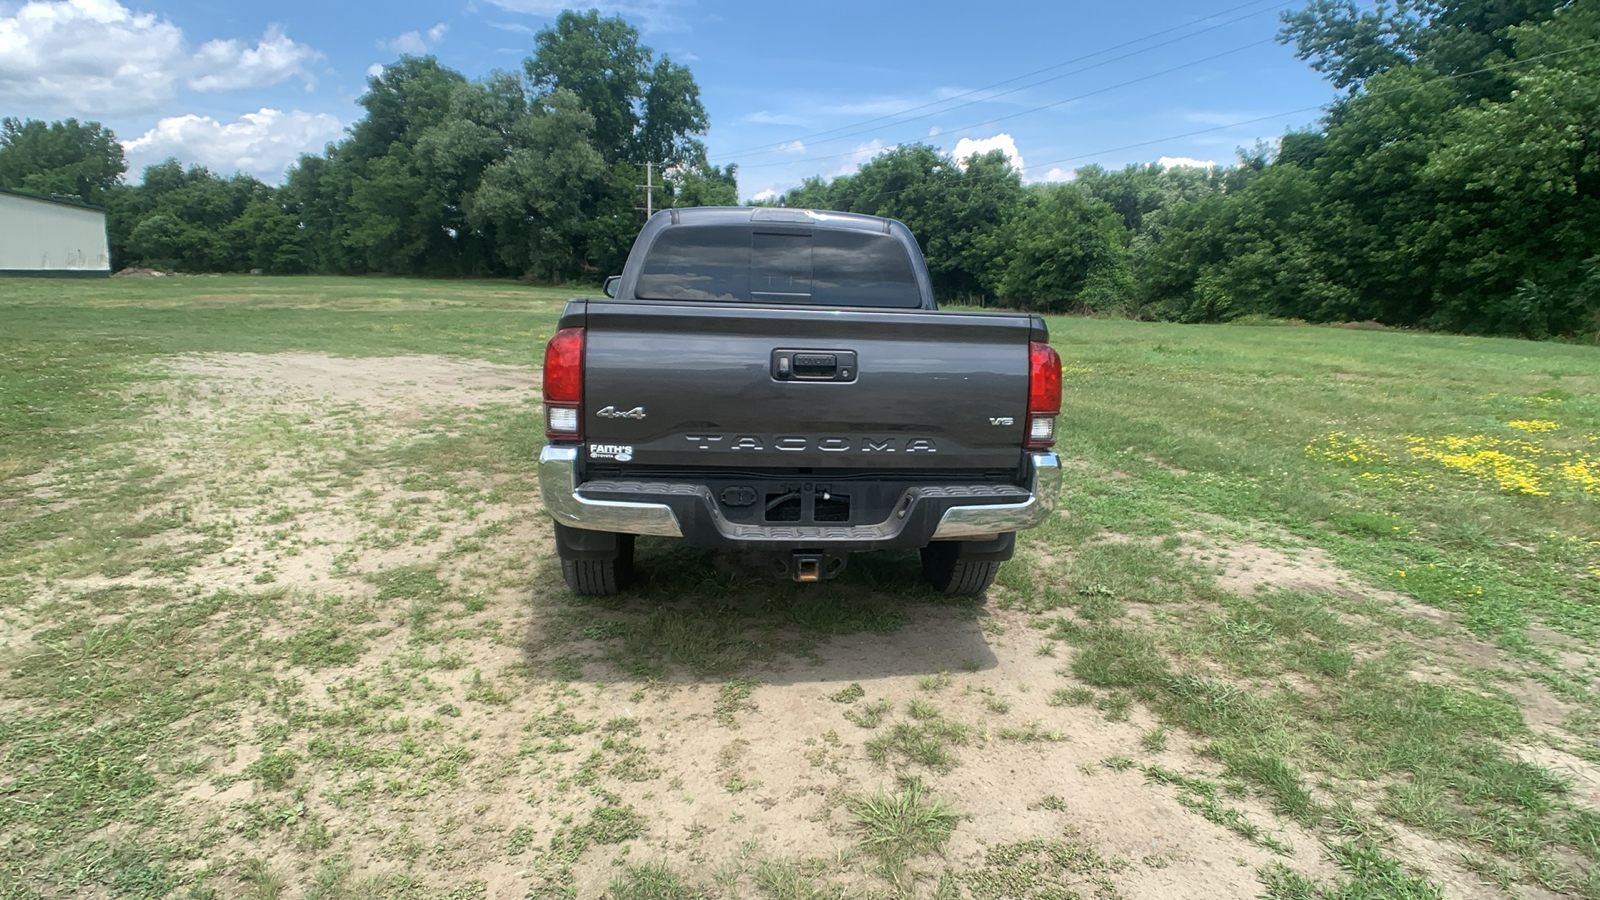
pixel 649 189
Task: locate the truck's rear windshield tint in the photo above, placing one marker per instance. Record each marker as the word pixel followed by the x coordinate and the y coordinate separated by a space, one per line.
pixel 827 267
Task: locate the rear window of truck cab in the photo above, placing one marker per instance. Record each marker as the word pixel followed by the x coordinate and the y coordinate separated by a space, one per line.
pixel 741 264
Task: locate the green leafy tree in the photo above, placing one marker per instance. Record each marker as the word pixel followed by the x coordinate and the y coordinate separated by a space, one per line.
pixel 187 219
pixel 82 160
pixel 956 209
pixel 1518 226
pixel 609 231
pixel 537 196
pixel 1350 44
pixel 1251 252
pixel 269 238
pixel 395 216
pixel 703 184
pixel 1066 250
pixel 644 110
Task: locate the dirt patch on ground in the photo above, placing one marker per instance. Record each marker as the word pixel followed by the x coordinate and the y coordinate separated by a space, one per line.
pixel 375 384
pixel 1244 568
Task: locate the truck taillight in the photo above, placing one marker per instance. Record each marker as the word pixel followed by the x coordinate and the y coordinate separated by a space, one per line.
pixel 1044 395
pixel 563 385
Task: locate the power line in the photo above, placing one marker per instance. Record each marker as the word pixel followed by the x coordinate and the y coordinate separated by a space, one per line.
pixel 1454 76
pixel 1035 109
pixel 1291 112
pixel 768 148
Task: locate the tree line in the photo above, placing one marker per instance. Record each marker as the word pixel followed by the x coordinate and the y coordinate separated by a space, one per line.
pixel 532 173
pixel 1454 186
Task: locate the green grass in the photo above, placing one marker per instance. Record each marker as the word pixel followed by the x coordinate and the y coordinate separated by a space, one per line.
pixel 894 827
pixel 653 881
pixel 1373 875
pixel 929 740
pixel 129 681
pixel 1237 409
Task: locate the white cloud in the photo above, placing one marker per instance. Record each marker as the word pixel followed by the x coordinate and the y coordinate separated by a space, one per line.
pixel 966 147
pixel 409 42
pixel 374 70
pixel 416 43
pixel 767 117
pixel 791 147
pixel 517 27
pixel 648 15
pixel 768 194
pixel 230 65
pixel 263 143
pixel 1060 174
pixel 860 155
pixel 88 57
pixel 1185 162
pixel 935 131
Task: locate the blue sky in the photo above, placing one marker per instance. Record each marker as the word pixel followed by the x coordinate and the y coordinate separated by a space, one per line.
pixel 792 89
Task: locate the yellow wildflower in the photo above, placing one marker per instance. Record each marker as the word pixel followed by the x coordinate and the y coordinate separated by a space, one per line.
pixel 1533 426
pixel 1340 447
pixel 1480 455
pixel 1583 473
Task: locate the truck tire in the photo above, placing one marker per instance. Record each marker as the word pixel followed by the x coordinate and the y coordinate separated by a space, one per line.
pixel 594 563
pixel 945 568
pixel 596 578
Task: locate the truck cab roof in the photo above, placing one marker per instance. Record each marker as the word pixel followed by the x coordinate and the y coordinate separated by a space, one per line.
pixel 775 215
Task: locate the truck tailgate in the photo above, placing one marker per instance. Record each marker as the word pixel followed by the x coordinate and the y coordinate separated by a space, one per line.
pixel 673 384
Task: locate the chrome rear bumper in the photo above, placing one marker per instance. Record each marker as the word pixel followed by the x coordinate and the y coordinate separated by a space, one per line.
pixel 558 484
pixel 562 497
pixel 963 522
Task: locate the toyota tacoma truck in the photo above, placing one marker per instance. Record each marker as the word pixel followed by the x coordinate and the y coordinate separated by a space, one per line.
pixel 780 380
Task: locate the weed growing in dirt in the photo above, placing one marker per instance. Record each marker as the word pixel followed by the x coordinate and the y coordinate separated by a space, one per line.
pixel 733 698
pixel 1203 796
pixel 850 693
pixel 1041 870
pixel 653 881
pixel 1374 875
pixel 869 715
pixel 1031 733
pixel 894 827
pixel 929 741
pixel 790 880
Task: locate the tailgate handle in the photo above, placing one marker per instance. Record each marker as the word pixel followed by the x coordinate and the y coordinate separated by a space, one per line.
pixel 814 365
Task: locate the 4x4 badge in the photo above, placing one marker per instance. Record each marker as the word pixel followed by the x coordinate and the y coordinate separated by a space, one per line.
pixel 611 412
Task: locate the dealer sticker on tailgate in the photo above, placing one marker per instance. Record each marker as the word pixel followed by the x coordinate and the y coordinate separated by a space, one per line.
pixel 618 452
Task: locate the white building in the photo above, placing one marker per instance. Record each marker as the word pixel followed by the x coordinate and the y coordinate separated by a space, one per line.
pixel 44 237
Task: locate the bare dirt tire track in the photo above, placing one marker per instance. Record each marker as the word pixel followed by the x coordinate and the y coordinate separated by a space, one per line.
pixel 377 384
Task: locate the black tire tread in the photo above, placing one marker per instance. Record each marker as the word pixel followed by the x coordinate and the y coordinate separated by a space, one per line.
pixel 594 578
pixel 969 579
pixel 954 577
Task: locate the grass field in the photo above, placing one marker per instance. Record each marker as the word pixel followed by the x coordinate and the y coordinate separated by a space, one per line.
pixel 278 618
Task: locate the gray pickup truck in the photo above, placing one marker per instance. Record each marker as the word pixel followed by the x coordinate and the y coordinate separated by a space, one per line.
pixel 781 380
